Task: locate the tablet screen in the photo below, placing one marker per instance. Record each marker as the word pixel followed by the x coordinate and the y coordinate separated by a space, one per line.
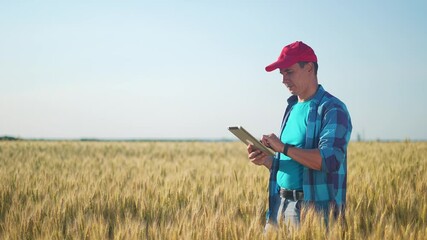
pixel 247 139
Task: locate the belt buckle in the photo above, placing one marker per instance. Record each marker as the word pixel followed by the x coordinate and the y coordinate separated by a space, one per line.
pixel 287 192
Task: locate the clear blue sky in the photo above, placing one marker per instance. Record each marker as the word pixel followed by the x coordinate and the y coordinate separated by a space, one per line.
pixel 189 69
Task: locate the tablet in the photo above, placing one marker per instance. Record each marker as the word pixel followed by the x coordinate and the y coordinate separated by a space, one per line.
pixel 247 139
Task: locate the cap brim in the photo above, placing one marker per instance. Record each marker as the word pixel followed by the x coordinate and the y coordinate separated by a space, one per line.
pixel 281 63
pixel 271 67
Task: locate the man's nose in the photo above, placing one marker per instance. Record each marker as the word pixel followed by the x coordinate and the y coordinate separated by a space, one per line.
pixel 285 78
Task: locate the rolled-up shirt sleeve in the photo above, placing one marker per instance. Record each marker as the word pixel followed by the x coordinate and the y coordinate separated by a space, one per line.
pixel 334 138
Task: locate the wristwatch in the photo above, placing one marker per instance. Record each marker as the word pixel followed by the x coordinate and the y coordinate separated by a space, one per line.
pixel 285 148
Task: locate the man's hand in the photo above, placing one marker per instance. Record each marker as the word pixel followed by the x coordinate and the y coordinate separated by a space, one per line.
pixel 258 157
pixel 273 142
pixel 310 158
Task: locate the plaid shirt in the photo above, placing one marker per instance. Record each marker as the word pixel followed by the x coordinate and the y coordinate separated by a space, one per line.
pixel 328 129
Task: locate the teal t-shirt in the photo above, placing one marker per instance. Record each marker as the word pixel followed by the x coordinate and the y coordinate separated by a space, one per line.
pixel 290 172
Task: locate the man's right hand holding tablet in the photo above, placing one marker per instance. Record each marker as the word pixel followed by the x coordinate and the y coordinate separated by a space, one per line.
pixel 258 157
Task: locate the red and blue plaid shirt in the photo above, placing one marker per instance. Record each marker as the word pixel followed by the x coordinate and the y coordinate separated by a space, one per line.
pixel 328 129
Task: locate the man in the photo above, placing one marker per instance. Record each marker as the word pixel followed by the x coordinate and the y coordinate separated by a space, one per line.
pixel 310 166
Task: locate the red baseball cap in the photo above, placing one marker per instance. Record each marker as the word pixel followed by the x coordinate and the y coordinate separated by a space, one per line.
pixel 291 54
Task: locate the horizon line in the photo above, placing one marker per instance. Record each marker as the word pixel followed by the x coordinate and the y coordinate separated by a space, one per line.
pixel 12 138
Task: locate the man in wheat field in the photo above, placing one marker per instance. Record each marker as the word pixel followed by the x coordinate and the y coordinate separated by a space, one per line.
pixel 310 166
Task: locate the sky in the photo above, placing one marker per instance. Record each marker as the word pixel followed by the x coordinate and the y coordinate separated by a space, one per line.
pixel 189 69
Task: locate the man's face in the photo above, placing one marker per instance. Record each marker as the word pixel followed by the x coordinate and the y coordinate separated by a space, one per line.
pixel 296 79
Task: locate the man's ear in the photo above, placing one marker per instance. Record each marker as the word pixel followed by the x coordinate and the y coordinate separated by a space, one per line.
pixel 310 66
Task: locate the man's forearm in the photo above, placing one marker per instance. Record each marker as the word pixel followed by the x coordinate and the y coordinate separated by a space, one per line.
pixel 310 158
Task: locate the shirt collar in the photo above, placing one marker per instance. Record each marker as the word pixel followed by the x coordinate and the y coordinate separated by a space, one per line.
pixel 316 98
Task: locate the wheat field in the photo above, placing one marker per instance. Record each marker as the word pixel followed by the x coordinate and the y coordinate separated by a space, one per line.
pixel 194 190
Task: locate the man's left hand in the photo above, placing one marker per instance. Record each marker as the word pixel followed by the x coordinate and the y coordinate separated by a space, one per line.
pixel 273 142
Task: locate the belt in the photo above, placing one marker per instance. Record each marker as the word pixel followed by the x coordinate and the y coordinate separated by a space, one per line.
pixel 293 195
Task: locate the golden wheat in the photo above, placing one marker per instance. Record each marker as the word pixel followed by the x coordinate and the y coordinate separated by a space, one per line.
pixel 194 190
